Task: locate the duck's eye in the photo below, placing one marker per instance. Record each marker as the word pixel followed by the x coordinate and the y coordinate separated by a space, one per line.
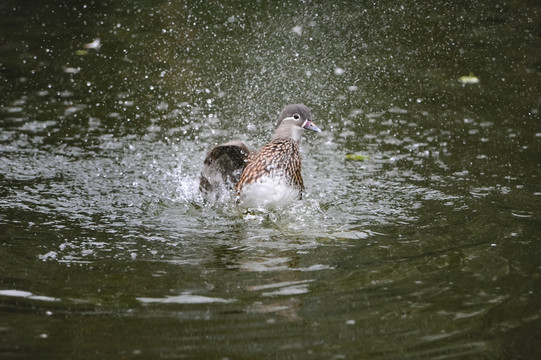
pixel 296 116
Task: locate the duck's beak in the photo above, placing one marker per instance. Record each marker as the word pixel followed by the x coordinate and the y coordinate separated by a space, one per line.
pixel 309 125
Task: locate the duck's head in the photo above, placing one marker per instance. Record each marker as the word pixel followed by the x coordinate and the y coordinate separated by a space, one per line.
pixel 292 121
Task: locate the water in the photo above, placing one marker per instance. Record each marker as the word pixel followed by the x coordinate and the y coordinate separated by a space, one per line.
pixel 418 235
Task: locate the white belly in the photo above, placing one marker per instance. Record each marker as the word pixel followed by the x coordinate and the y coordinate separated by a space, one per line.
pixel 268 192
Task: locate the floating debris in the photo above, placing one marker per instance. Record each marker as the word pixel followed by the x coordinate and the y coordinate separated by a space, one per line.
pixel 357 157
pixel 470 79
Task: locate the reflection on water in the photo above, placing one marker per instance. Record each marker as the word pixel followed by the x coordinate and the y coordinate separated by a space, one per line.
pixel 418 235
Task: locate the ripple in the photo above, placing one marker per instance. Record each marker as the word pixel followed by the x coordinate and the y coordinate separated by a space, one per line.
pixel 185 299
pixel 522 214
pixel 26 295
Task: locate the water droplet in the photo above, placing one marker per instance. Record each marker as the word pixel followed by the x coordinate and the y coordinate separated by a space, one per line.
pixel 297 30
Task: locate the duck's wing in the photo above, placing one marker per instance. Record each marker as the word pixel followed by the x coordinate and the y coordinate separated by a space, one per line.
pixel 222 166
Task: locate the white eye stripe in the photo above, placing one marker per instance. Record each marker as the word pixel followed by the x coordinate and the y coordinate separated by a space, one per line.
pixel 289 119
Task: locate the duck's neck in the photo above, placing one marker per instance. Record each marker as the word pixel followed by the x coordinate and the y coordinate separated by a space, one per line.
pixel 288 133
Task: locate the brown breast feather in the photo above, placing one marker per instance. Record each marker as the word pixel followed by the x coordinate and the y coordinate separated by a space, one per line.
pixel 277 158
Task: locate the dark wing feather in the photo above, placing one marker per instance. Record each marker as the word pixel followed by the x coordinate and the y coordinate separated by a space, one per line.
pixel 223 165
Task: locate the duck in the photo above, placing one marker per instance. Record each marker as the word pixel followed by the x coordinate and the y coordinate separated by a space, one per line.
pixel 268 177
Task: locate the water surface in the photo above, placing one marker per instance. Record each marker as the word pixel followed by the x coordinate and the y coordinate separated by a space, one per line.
pixel 419 233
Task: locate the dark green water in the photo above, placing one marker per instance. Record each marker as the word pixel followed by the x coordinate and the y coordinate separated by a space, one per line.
pixel 428 248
